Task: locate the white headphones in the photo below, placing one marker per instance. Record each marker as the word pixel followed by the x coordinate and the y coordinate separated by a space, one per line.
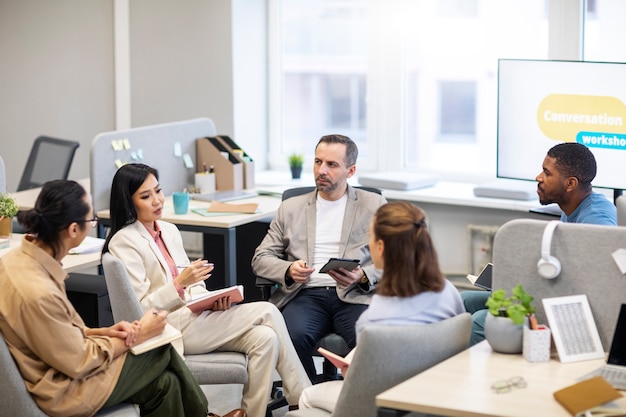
pixel 548 266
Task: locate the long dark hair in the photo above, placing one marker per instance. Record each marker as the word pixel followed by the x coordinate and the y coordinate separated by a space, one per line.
pixel 126 181
pixel 411 263
pixel 59 204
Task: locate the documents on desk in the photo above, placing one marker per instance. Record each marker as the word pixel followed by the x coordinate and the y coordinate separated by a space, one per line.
pixel 89 245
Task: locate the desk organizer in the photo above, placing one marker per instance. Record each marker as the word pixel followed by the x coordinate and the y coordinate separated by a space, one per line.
pixel 228 167
pixel 536 344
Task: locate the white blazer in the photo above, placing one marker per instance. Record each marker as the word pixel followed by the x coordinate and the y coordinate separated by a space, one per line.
pixel 149 273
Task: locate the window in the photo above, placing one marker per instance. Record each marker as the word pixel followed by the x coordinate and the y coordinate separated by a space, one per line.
pixel 322 76
pixel 457 111
pixel 413 82
pixel 604 34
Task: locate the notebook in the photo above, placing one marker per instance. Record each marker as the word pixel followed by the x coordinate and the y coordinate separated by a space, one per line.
pixel 483 280
pixel 223 196
pixel 615 369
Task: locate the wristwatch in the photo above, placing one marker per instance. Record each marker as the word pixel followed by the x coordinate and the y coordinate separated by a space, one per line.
pixel 364 279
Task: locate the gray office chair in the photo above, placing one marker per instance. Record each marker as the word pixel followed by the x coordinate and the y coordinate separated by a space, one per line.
pixel 49 159
pixel 620 203
pixel 15 400
pixel 332 341
pixel 388 355
pixel 207 368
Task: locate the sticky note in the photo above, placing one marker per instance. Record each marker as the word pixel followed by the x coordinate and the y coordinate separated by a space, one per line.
pixel 177 150
pixel 619 256
pixel 116 145
pixel 187 160
pixel 126 143
pixel 119 163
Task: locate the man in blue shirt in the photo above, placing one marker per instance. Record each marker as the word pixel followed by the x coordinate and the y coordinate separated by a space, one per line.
pixel 565 179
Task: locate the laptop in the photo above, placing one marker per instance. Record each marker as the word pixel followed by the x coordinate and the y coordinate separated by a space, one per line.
pixel 224 196
pixel 483 280
pixel 615 369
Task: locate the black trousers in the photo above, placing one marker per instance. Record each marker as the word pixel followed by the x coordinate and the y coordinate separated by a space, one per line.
pixel 314 313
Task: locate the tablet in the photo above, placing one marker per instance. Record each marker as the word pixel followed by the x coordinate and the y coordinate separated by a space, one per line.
pixel 336 263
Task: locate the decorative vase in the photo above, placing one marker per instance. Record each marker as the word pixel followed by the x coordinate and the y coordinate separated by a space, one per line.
pixel 6 226
pixel 503 335
pixel 296 172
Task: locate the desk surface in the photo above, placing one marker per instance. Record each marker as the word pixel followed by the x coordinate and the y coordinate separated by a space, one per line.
pixel 461 386
pixel 71 263
pixel 26 199
pixel 268 206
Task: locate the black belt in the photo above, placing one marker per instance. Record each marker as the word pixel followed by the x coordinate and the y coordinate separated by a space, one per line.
pixel 328 287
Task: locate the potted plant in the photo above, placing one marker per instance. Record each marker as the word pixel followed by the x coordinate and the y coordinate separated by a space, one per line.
pixel 295 164
pixel 8 210
pixel 507 314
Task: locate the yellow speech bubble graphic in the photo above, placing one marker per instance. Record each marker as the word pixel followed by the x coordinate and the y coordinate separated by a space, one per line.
pixel 563 116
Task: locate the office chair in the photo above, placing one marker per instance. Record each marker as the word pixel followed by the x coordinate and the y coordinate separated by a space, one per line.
pixel 49 159
pixel 331 341
pixel 620 203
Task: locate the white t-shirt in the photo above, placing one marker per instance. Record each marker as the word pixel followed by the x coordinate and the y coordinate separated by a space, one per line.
pixel 328 225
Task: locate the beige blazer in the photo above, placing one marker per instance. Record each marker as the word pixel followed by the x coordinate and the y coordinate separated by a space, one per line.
pixel 291 236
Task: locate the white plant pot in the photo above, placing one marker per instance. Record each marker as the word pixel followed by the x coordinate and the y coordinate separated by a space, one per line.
pixel 503 335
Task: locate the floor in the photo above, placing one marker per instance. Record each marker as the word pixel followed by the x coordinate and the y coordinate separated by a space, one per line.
pixel 223 398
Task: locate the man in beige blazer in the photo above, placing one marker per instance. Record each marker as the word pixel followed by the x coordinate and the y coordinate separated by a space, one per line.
pixel 331 221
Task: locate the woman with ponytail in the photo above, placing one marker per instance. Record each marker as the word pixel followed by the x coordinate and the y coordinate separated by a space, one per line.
pixel 412 289
pixel 68 368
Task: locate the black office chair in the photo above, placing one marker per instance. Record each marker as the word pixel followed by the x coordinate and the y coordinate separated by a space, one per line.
pixel 49 159
pixel 331 341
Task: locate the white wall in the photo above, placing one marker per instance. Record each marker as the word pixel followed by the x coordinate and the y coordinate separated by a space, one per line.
pixel 56 77
pixel 57 71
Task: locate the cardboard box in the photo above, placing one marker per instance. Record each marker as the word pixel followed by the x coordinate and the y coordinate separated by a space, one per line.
pixel 243 157
pixel 228 168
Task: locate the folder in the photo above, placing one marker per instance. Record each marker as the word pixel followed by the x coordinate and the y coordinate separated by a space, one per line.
pixel 590 397
pixel 228 167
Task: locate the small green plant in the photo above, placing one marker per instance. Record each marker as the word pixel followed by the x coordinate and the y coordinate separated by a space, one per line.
pixel 8 206
pixel 515 307
pixel 296 160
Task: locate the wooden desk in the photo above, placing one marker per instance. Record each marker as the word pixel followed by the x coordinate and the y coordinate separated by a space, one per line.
pixel 26 199
pixel 71 263
pixel 223 250
pixel 461 386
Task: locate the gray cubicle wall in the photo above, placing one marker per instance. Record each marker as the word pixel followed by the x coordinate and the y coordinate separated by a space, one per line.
pixel 587 266
pixel 154 145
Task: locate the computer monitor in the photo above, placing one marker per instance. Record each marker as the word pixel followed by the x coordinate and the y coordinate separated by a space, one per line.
pixel 542 103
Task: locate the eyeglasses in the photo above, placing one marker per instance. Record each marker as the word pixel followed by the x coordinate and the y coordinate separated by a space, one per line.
pixel 504 386
pixel 94 221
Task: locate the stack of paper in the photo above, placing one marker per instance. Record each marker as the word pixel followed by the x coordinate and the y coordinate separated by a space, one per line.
pixel 90 244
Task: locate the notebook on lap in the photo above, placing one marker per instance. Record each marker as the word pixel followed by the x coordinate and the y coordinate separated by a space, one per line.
pixel 483 280
pixel 615 369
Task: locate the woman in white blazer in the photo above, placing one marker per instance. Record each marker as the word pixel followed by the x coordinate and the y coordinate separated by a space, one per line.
pixel 152 251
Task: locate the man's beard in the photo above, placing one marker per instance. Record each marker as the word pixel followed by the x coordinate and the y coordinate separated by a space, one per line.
pixel 327 189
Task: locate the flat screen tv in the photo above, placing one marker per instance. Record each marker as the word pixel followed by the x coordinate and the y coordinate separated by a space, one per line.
pixel 542 103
